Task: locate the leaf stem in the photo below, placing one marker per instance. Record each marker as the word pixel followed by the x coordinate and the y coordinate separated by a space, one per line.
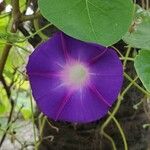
pixel 46 26
pixel 136 85
pixel 126 56
pixel 33 122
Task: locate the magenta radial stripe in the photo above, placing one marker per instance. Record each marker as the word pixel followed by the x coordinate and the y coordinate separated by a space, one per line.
pixel 64 47
pixel 74 81
pixel 97 57
pixel 44 74
pixel 98 94
pixel 63 103
pixel 111 75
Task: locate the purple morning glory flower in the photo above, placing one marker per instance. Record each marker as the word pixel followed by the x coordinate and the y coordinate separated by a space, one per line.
pixel 73 80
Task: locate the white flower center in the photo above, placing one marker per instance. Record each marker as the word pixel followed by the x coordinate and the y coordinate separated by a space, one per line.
pixel 75 75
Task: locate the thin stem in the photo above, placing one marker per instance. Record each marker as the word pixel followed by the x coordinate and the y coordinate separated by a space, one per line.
pixel 52 126
pixel 108 121
pixel 120 97
pixel 33 122
pixel 126 56
pixel 121 132
pixel 31 17
pixel 117 51
pixel 37 28
pixel 146 125
pixel 143 4
pixel 138 104
pixel 4 15
pixel 147 4
pixel 128 87
pixel 136 85
pixel 42 125
pixel 46 26
pixel 112 114
pixel 110 139
pixel 12 44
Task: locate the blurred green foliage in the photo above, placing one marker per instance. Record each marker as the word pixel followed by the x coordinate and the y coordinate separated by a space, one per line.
pixel 15 67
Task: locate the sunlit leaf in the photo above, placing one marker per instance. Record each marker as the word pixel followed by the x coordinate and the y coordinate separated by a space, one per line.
pixel 3 24
pixel 4 102
pixel 3 29
pixel 22 4
pixel 2 108
pixel 23 101
pixel 26 113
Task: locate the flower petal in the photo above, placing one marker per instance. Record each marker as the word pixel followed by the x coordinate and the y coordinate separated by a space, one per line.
pixel 82 107
pixel 107 75
pixel 55 98
pixel 48 57
pixel 82 51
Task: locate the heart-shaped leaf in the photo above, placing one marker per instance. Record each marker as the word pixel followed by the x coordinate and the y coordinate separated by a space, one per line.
pixel 139 37
pixel 142 66
pixel 99 21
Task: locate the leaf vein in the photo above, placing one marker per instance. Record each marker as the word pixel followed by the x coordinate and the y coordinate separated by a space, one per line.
pixel 90 20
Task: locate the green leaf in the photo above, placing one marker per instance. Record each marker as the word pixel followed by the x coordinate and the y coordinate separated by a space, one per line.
pixel 23 100
pixel 99 21
pixel 3 23
pixel 142 66
pixel 26 113
pixel 22 4
pixel 3 28
pixel 2 109
pixel 139 37
pixel 4 102
pixel 18 52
